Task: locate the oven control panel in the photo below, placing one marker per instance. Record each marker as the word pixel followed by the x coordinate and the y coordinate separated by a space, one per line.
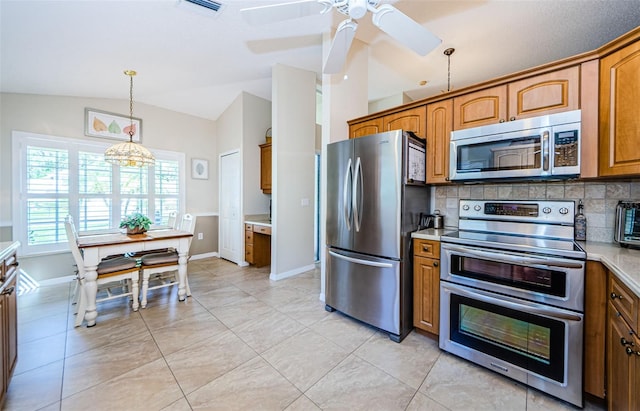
pixel 543 211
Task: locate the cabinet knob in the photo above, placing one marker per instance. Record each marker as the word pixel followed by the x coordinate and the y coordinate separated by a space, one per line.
pixel 624 342
pixel 435 264
pixel 628 350
pixel 614 296
pixel 502 120
pixel 512 119
pixel 425 248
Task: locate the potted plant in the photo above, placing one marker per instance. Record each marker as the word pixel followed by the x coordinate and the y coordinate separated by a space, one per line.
pixel 136 223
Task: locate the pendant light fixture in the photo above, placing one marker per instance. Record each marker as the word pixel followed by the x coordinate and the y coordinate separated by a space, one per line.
pixel 448 52
pixel 129 154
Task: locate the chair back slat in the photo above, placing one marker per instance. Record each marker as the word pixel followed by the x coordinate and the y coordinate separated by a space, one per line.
pixel 173 219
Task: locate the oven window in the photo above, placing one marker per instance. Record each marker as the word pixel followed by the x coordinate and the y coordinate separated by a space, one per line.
pixel 498 155
pixel 543 280
pixel 526 340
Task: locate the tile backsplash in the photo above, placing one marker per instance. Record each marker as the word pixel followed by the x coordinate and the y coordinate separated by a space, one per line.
pixel 599 198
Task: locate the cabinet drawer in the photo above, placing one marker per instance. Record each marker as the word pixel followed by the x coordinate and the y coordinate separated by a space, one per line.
pixel 262 229
pixel 624 301
pixel 248 237
pixel 248 227
pixel 426 248
pixel 248 253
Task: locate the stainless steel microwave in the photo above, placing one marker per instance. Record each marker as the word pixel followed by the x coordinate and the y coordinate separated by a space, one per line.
pixel 537 147
pixel 627 229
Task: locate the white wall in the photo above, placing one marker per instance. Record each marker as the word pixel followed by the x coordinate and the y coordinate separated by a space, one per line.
pixel 294 113
pixel 255 122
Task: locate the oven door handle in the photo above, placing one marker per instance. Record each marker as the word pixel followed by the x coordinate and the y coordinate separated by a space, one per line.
pixel 510 259
pixel 530 308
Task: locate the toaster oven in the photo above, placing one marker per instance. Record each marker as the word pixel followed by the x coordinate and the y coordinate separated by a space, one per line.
pixel 627 228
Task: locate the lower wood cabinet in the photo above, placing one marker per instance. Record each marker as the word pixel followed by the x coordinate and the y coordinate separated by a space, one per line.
pixel 426 285
pixel 595 317
pixel 257 244
pixel 8 322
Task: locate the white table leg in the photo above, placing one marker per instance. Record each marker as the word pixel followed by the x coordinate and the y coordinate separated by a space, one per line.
pixel 182 275
pixel 90 291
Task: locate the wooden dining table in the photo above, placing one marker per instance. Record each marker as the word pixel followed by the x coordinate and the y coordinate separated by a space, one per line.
pixel 95 247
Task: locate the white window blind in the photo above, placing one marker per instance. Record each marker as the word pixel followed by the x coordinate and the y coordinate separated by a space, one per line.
pixel 57 176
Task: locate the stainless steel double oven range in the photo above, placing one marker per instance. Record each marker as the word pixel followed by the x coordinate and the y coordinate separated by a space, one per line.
pixel 512 293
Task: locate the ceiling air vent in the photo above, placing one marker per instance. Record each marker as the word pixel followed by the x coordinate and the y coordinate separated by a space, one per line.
pixel 208 7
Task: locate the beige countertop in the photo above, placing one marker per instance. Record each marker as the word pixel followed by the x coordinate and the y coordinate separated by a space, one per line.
pixel 258 219
pixel 623 262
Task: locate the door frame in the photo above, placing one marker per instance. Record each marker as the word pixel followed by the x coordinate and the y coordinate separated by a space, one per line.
pixel 240 228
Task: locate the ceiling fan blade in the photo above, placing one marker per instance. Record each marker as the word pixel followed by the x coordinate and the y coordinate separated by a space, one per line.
pixel 405 30
pixel 284 11
pixel 340 47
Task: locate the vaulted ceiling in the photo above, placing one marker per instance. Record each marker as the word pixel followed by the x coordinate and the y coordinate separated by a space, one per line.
pixel 197 63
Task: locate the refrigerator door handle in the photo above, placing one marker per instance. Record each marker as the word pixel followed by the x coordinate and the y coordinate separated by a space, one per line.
pixel 359 261
pixel 346 202
pixel 357 194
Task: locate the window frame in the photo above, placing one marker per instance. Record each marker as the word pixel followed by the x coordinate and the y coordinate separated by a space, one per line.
pixel 21 140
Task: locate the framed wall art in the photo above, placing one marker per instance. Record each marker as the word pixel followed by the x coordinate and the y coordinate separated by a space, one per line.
pixel 199 169
pixel 98 123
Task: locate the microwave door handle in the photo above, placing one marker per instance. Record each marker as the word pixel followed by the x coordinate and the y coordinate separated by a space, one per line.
pixel 356 199
pixel 513 259
pixel 346 201
pixel 503 302
pixel 545 150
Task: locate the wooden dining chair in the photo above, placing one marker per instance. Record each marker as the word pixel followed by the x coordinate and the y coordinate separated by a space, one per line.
pixel 173 219
pixel 110 270
pixel 161 269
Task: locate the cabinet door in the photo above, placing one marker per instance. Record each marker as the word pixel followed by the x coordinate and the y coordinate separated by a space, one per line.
pixel 595 316
pixel 11 316
pixel 426 294
pixel 414 119
pixel 439 126
pixel 265 168
pixel 620 366
pixel 366 128
pixel 619 119
pixel 545 94
pixel 482 107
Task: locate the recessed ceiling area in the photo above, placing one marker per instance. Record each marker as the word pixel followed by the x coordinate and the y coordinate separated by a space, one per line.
pixel 197 64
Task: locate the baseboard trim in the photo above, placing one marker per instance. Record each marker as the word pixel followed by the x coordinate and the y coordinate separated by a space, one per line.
pixel 291 273
pixel 203 256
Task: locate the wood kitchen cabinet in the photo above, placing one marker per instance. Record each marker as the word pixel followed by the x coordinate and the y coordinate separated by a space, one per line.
pixel 365 128
pixel 257 244
pixel 8 320
pixel 265 168
pixel 413 119
pixel 426 285
pixel 595 316
pixel 439 127
pixel 623 348
pixel 543 94
pixel 619 151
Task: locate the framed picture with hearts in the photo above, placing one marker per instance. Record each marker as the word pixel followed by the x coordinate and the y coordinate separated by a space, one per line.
pixel 98 123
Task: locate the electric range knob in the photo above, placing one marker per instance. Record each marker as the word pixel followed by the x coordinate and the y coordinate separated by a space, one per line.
pixel 564 210
pixel 546 210
pixel 465 207
pixel 477 207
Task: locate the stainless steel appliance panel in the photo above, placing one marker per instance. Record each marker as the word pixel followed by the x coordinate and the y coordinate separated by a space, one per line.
pixel 627 227
pixel 339 195
pixel 365 287
pixel 377 189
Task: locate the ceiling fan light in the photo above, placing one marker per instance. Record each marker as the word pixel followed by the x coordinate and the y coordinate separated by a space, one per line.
pixel 357 9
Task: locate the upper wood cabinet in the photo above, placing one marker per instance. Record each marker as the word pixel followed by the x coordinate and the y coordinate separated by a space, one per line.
pixel 365 128
pixel 439 126
pixel 619 113
pixel 413 119
pixel 265 168
pixel 534 96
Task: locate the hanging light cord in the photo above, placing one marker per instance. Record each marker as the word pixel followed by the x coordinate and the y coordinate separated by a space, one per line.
pixel 448 52
pixel 131 74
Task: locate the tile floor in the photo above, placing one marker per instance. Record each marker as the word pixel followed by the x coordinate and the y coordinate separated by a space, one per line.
pixel 240 342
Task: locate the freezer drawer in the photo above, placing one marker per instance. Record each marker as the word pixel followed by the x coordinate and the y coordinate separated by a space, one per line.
pixel 364 287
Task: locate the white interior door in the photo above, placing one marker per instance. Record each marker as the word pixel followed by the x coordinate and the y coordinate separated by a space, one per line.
pixel 230 222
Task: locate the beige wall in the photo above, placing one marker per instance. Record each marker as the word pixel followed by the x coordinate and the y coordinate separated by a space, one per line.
pixel 64 117
pixel 599 198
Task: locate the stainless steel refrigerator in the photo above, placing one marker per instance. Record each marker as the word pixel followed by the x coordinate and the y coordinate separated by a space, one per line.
pixel 375 193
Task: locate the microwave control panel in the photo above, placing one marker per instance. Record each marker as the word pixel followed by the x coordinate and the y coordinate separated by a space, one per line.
pixel 566 148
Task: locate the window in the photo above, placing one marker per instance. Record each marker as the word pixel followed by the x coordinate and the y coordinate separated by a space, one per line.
pixel 59 176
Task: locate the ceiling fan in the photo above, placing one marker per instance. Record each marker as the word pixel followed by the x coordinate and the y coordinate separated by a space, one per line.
pixel 386 17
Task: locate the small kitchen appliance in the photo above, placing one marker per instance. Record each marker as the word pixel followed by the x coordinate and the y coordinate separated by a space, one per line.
pixel 627 227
